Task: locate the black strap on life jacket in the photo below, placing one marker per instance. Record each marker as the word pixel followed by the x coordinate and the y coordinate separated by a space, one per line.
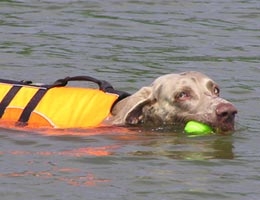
pixel 8 98
pixel 24 117
pixel 31 105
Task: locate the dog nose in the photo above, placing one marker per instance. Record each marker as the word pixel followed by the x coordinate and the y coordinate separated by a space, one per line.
pixel 226 111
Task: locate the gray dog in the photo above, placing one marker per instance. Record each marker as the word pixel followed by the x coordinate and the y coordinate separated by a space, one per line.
pixel 176 98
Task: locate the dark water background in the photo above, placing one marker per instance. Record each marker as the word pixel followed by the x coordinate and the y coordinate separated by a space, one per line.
pixel 130 43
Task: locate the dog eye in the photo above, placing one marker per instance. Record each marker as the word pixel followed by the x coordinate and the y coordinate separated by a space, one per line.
pixel 216 91
pixel 182 96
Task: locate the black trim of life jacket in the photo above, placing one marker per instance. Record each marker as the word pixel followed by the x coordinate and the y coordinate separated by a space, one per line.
pixel 42 89
pixel 8 98
pixel 31 105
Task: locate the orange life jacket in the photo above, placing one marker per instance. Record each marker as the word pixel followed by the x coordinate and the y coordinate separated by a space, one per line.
pixel 56 106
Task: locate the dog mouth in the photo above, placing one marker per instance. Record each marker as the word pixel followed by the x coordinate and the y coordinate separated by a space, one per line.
pixel 222 127
pixel 226 129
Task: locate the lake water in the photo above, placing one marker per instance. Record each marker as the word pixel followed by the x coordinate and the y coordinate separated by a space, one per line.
pixel 129 43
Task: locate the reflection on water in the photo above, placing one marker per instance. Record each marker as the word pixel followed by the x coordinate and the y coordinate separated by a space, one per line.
pixel 42 162
pixel 180 147
pixel 153 143
pixel 67 175
pixel 198 151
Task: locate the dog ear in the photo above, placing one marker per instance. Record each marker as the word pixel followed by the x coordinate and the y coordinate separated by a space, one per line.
pixel 142 98
pixel 129 110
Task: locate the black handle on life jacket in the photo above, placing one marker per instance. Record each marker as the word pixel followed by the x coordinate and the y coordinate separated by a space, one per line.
pixel 103 85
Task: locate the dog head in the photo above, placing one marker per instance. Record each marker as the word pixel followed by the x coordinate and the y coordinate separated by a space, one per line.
pixel 177 98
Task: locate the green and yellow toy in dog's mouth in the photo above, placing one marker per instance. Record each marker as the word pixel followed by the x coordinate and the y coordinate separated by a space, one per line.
pixel 194 128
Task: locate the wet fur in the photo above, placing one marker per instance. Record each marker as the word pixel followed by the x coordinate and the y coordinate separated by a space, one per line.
pixel 176 98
